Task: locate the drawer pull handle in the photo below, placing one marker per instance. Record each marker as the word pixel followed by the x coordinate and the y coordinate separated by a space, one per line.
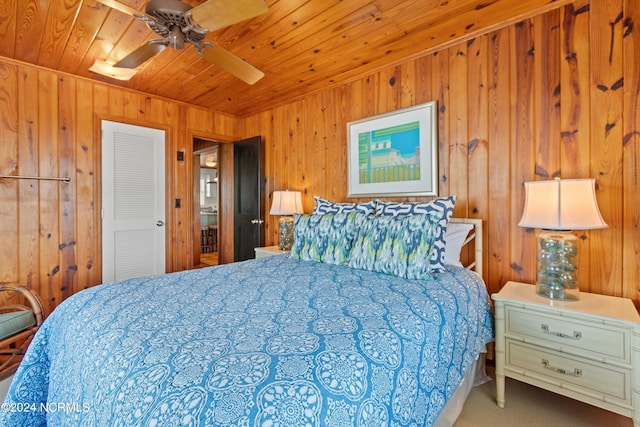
pixel 576 372
pixel 576 335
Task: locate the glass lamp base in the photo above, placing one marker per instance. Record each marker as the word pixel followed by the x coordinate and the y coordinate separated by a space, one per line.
pixel 285 233
pixel 557 275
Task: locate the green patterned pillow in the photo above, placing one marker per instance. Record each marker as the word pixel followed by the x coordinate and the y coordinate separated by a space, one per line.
pixel 369 240
pixel 325 238
pixel 397 246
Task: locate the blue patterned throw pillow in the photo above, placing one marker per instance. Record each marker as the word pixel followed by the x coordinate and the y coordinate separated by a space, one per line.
pixel 328 207
pixel 324 238
pixel 369 239
pixel 400 246
pixel 443 205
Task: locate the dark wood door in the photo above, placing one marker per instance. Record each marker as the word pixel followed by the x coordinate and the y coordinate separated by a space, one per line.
pixel 248 187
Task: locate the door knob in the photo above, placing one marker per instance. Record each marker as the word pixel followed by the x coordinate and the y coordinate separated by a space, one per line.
pixel 160 223
pixel 256 221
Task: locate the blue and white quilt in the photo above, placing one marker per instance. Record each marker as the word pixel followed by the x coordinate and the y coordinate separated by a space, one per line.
pixel 268 342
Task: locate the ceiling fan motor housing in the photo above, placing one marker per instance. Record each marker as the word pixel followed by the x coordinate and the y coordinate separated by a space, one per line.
pixel 171 23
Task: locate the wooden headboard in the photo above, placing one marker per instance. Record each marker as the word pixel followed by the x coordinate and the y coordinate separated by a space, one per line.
pixel 475 236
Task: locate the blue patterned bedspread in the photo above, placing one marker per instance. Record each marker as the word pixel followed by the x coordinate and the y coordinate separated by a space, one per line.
pixel 267 342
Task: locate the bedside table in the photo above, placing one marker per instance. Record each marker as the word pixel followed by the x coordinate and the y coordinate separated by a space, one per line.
pixel 269 251
pixel 588 349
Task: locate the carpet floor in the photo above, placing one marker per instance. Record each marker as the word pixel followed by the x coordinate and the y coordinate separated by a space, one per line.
pixel 527 405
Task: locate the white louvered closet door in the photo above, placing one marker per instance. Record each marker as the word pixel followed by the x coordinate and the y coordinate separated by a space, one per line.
pixel 133 201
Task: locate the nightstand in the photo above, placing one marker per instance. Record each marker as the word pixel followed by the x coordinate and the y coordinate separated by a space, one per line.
pixel 269 251
pixel 588 349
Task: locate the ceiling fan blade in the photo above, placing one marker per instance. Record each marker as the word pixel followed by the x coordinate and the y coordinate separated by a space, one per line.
pixel 232 64
pixel 126 9
pixel 140 55
pixel 215 14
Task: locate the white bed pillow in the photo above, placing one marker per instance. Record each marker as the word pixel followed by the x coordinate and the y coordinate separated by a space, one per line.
pixel 454 238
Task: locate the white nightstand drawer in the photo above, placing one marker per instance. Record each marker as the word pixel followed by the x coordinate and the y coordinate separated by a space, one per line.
pixel 583 338
pixel 592 379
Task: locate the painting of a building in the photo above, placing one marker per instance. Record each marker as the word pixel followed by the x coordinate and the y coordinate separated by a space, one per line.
pixel 391 154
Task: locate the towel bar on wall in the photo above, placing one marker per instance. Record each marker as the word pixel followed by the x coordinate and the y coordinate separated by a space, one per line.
pixel 65 179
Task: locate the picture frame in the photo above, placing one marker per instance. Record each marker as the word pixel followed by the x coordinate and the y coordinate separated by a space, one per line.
pixel 394 154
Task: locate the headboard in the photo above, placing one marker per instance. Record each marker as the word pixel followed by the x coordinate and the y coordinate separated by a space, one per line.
pixel 475 236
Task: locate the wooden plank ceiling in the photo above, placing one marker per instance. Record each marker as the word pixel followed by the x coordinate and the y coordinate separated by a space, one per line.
pixel 301 45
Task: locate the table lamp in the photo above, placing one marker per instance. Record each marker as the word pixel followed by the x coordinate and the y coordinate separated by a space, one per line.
pixel 286 203
pixel 558 206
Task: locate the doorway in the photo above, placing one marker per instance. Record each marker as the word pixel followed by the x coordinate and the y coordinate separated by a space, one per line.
pixel 206 214
pixel 240 185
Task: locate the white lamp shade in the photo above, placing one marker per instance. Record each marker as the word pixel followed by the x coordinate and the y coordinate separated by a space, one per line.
pixel 286 203
pixel 561 204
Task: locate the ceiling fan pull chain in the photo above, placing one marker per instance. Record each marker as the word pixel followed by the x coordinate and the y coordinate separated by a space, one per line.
pixel 176 38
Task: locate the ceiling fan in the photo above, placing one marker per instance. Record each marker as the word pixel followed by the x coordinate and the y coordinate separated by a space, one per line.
pixel 179 23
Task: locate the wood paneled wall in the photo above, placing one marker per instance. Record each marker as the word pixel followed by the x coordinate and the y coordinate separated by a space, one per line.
pixel 50 126
pixel 553 95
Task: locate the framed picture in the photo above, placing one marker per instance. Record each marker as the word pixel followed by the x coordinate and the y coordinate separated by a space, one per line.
pixel 394 154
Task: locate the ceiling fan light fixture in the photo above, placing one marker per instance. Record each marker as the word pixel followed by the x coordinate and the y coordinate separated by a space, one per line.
pixel 107 69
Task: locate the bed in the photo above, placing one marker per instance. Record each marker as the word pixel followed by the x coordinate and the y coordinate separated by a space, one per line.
pixel 276 341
